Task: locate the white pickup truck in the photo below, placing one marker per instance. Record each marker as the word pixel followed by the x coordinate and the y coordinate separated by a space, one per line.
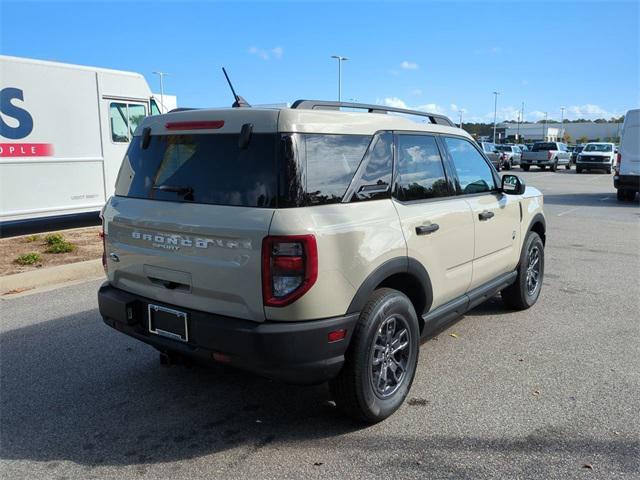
pixel 546 154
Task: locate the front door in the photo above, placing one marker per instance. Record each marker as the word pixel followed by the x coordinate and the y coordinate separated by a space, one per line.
pixel 437 225
pixel 496 216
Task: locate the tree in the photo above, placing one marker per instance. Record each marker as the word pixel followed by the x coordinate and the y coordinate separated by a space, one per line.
pixel 566 138
pixel 583 139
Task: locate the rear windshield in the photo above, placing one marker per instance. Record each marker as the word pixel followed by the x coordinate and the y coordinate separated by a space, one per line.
pixel 598 147
pixel 544 147
pixel 275 170
pixel 503 148
pixel 201 169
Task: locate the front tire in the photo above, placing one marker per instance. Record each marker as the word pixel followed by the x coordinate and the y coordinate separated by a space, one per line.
pixel 524 292
pixel 382 358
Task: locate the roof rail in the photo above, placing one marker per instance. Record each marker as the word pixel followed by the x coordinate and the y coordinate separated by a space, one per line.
pixel 182 109
pixel 330 105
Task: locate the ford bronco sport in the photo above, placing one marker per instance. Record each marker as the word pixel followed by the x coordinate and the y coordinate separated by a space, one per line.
pixel 311 243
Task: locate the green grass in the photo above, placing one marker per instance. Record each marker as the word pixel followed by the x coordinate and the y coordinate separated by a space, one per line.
pixel 54 238
pixel 61 247
pixel 28 258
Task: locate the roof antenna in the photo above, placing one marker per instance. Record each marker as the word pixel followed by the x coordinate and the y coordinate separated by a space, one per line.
pixel 239 101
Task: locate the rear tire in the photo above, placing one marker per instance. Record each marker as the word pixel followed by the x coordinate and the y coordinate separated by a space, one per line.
pixel 554 166
pixel 375 380
pixel 609 170
pixel 543 167
pixel 525 167
pixel 568 166
pixel 524 292
pixel 578 170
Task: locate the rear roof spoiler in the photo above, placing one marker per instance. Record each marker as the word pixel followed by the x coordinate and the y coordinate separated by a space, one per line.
pixel 330 105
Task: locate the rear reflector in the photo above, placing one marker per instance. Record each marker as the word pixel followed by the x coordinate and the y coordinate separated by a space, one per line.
pixel 221 357
pixel 195 125
pixel 337 335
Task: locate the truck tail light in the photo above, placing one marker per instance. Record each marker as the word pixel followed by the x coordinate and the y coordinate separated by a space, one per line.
pixel 549 155
pixel 618 162
pixel 104 249
pixel 289 268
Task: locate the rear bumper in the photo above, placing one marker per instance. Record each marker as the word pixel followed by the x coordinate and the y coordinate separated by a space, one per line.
pixel 627 182
pixel 294 352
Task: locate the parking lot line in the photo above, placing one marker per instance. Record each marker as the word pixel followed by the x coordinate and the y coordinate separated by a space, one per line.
pixel 568 211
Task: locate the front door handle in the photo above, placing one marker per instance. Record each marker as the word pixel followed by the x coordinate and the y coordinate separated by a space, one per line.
pixel 486 215
pixel 427 229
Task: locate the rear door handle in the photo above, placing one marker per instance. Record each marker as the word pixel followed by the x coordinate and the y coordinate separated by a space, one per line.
pixel 427 229
pixel 486 215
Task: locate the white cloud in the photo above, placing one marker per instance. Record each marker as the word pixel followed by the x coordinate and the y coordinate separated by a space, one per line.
pixel 589 111
pixel 276 53
pixel 407 65
pixel 399 103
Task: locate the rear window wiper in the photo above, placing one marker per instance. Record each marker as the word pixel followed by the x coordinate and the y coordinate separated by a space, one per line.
pixel 183 190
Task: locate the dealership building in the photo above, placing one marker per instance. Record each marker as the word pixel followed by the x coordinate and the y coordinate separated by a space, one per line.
pixel 553 132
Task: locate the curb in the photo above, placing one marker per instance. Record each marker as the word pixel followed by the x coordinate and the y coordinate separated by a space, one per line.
pixel 51 276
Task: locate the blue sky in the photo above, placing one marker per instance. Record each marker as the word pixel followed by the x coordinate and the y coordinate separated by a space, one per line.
pixel 442 56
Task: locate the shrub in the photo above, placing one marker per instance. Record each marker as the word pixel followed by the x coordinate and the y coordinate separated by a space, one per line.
pixel 32 238
pixel 61 247
pixel 28 258
pixel 54 238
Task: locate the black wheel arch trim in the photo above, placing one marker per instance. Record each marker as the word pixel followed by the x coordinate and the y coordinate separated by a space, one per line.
pixel 405 265
pixel 539 218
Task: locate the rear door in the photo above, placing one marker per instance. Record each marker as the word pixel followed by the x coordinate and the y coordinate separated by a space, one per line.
pixel 188 219
pixel 630 144
pixel 437 225
pixel 496 216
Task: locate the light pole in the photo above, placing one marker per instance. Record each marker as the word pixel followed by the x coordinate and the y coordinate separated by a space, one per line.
pixel 495 113
pixel 340 60
pixel 161 75
pixel 562 109
pixel 460 112
pixel 544 128
pixel 520 119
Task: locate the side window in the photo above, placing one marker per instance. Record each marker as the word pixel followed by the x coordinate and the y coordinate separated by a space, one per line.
pixel 375 181
pixel 331 161
pixel 124 118
pixel 118 121
pixel 420 173
pixel 474 174
pixel 154 108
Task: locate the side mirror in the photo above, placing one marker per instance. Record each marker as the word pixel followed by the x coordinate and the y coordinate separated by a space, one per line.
pixel 512 185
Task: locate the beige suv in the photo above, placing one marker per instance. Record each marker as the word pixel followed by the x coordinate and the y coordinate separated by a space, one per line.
pixel 313 244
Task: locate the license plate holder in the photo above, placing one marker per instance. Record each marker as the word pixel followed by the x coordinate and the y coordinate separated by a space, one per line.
pixel 169 323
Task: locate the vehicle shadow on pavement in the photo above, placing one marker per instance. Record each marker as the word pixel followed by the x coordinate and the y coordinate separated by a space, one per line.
pixel 73 389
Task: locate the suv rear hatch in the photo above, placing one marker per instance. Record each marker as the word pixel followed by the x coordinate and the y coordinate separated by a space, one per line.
pixel 193 201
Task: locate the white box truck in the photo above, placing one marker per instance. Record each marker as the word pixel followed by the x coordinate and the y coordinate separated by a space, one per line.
pixel 64 130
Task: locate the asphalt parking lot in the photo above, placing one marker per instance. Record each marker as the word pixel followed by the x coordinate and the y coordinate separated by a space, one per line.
pixel 553 392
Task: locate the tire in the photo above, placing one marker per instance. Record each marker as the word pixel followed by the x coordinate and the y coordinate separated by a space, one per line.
pixel 578 170
pixel 543 167
pixel 521 295
pixel 554 167
pixel 508 165
pixel 354 389
pixel 629 195
pixel 621 195
pixel 525 167
pixel 609 170
pixel 568 166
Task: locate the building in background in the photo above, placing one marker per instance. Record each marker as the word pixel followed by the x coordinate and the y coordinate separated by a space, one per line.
pixel 553 132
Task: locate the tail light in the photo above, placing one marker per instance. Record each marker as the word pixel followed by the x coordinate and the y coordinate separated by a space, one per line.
pixel 549 155
pixel 289 268
pixel 618 162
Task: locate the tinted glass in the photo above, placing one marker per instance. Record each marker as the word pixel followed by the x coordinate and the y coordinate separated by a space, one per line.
pixel 154 108
pixel 544 147
pixel 420 170
pixel 203 169
pixel 331 161
pixel 118 121
pixel 474 174
pixel 375 181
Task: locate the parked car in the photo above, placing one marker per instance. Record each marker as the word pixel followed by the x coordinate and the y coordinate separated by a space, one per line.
pixel 627 176
pixel 575 152
pixel 596 156
pixel 310 244
pixel 491 151
pixel 546 154
pixel 511 155
pixel 522 147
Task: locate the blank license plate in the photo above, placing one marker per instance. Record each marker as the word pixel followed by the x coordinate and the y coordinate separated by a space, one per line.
pixel 168 322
